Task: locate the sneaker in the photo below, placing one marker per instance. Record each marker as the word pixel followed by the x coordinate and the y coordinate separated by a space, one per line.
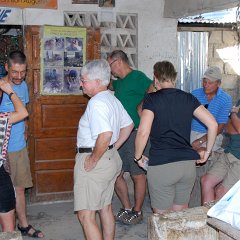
pixel 122 214
pixel 133 218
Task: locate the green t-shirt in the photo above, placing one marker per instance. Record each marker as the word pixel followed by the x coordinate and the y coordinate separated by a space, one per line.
pixel 234 144
pixel 130 91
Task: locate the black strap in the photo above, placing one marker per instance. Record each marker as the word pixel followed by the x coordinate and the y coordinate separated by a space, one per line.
pixel 89 150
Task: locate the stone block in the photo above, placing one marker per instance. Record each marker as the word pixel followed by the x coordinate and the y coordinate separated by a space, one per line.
pixel 234 93
pixel 210 51
pixel 189 224
pixel 216 63
pixel 11 236
pixel 230 37
pixel 230 67
pixel 229 81
pixel 215 37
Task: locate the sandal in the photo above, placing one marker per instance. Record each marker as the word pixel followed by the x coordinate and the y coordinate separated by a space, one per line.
pixel 25 231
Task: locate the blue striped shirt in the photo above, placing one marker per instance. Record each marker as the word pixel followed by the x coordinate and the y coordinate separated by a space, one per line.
pixel 219 107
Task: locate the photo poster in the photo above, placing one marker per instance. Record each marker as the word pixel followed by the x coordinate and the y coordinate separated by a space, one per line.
pixel 63 53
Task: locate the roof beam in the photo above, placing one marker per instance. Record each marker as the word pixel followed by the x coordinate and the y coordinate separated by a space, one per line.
pixel 185 8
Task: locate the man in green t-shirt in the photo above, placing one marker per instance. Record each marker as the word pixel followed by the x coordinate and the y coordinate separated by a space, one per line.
pixel 130 88
pixel 225 172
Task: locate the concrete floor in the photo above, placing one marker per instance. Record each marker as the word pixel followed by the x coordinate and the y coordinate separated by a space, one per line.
pixel 58 222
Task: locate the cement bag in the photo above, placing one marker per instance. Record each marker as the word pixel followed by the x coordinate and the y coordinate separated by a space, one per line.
pixel 227 208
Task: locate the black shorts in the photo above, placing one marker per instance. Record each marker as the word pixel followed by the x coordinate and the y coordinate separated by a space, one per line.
pixel 7 193
pixel 126 152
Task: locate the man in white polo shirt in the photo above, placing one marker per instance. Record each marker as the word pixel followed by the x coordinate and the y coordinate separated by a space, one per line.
pixel 103 128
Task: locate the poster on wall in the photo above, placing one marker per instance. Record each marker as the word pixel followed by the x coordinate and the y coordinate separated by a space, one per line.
pixel 63 53
pixel 47 4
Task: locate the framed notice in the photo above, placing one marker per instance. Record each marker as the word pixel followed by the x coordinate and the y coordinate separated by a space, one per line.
pixel 63 53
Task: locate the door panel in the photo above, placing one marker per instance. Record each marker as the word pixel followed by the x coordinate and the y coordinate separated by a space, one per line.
pixel 53 123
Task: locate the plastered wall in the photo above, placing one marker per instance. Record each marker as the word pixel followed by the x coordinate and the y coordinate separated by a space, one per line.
pixel 156 35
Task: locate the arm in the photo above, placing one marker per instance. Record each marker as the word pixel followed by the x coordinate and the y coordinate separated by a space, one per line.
pixel 198 142
pixel 235 121
pixel 20 111
pixel 123 136
pixel 102 143
pixel 143 133
pixel 207 118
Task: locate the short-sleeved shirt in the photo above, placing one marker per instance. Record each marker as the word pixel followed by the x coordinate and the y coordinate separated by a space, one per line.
pixel 104 113
pixel 219 107
pixel 233 146
pixel 17 139
pixel 130 91
pixel 170 133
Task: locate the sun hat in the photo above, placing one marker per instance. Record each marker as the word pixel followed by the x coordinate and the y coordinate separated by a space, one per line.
pixel 213 74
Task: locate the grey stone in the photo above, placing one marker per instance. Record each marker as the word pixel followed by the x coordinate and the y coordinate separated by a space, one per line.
pixel 10 236
pixel 189 224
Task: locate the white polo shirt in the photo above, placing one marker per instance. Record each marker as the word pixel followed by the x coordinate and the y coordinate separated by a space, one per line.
pixel 104 113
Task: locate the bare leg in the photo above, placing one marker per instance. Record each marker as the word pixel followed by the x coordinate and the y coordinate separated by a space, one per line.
pixel 139 190
pixel 21 206
pixel 121 190
pixel 7 221
pixel 160 211
pixel 87 219
pixel 220 191
pixel 176 207
pixel 208 184
pixel 21 210
pixel 108 222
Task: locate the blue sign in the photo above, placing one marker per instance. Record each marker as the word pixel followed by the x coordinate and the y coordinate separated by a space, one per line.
pixel 4 13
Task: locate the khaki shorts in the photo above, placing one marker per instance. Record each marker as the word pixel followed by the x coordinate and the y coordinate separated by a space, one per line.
pixel 93 190
pixel 20 168
pixel 171 183
pixel 227 168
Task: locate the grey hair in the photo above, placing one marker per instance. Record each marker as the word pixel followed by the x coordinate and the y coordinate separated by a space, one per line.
pixel 97 70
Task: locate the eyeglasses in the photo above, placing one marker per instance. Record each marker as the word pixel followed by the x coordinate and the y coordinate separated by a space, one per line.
pixel 206 106
pixel 84 81
pixel 113 62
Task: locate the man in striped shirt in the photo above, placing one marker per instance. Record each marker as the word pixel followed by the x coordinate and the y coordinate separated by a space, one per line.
pixel 218 103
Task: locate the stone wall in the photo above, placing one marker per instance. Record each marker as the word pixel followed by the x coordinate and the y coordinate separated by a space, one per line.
pixel 224 52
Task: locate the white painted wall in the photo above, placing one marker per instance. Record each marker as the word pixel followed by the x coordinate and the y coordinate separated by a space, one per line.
pixel 156 35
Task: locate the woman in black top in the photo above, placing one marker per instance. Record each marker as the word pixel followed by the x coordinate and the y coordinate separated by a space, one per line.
pixel 166 118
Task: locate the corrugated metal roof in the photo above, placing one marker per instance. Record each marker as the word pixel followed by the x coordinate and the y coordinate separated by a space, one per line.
pixel 224 16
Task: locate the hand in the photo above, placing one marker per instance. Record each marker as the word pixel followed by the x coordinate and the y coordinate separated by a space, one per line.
pixel 204 155
pixel 196 144
pixel 141 162
pixel 89 164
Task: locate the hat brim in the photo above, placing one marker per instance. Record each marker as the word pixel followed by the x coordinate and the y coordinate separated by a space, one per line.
pixel 211 78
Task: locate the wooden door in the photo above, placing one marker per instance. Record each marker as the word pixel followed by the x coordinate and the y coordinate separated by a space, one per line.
pixel 53 123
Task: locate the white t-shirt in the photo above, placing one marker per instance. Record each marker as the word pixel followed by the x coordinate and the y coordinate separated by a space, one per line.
pixel 104 113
